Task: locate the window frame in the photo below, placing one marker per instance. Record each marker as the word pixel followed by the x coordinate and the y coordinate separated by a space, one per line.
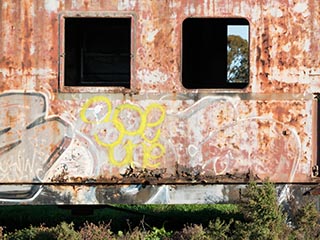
pixel 92 88
pixel 225 86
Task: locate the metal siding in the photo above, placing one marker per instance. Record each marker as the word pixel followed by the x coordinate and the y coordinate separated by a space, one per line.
pixel 157 132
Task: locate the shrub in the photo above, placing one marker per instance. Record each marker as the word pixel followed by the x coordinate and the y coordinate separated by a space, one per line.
pixel 65 231
pixel 306 222
pixel 263 217
pixel 32 232
pixel 219 229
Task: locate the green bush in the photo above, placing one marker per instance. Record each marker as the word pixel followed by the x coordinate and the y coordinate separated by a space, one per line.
pixel 65 231
pixel 263 217
pixel 306 222
pixel 219 229
pixel 158 234
pixel 32 232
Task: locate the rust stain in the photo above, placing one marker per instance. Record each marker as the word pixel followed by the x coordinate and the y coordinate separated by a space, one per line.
pixel 182 175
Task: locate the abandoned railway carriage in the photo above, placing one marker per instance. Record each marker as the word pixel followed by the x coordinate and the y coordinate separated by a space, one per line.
pixel 156 101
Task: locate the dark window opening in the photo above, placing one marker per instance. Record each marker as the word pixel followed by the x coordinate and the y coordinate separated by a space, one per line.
pixel 215 53
pixel 97 52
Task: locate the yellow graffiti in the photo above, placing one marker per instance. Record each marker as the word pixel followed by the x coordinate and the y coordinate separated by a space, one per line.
pixel 151 107
pixel 127 160
pixel 152 149
pixel 96 100
pixel 148 154
pixel 122 107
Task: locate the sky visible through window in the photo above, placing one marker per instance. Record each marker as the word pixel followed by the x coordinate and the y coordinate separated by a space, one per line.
pixel 239 30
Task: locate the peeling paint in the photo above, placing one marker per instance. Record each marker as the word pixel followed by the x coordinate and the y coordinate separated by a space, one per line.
pixel 51 6
pixel 152 77
pixel 300 7
pixel 276 12
pixel 126 4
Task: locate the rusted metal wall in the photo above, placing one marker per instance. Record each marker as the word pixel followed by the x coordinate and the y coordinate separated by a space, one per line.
pixel 99 144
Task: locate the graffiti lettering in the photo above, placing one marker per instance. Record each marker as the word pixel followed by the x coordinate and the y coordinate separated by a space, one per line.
pixel 153 152
pixel 126 129
pixel 20 167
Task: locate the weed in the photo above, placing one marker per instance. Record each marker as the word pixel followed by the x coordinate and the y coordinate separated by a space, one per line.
pixel 98 232
pixel 191 232
pixel 158 234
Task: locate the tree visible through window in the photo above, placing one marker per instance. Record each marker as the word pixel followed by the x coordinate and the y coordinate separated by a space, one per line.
pixel 238 62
